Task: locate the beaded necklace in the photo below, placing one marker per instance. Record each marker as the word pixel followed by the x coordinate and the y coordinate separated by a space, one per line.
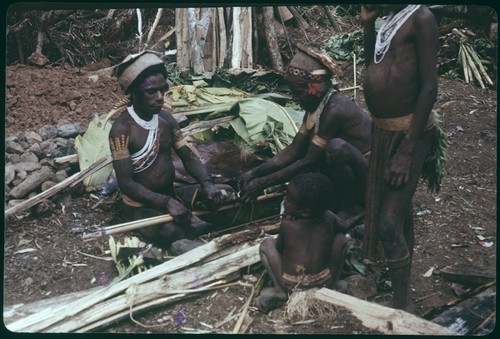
pixel 389 28
pixel 149 125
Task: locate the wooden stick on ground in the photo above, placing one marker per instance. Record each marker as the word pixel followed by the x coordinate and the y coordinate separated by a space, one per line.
pixel 382 318
pixel 68 182
pixel 136 224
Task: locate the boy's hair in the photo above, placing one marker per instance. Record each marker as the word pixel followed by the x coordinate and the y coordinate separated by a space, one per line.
pixel 315 191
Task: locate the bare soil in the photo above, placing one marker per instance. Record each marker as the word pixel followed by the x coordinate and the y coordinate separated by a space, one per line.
pixel 450 225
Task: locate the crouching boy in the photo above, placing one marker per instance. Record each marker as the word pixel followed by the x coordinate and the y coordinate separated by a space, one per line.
pixel 311 246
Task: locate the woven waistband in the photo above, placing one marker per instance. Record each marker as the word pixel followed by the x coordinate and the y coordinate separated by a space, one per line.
pixel 306 279
pixel 399 124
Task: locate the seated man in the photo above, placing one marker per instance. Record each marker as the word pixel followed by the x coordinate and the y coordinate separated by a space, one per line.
pixel 335 138
pixel 141 140
pixel 311 246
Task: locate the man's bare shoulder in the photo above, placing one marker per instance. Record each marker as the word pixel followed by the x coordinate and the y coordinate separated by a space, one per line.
pixel 167 119
pixel 342 109
pixel 424 19
pixel 121 124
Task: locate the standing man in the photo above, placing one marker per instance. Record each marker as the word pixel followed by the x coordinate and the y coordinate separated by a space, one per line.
pixel 334 138
pixel 400 88
pixel 141 141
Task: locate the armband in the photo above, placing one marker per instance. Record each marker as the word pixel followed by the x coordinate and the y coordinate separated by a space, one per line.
pixel 119 147
pixel 319 141
pixel 179 140
pixel 303 129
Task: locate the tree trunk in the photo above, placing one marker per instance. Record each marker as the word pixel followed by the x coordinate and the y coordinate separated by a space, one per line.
pixel 272 39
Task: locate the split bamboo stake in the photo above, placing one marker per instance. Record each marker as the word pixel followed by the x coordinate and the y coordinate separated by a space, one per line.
pixel 136 224
pixel 475 57
pixel 255 291
pixel 52 315
pixel 464 65
pixel 473 67
pixel 245 309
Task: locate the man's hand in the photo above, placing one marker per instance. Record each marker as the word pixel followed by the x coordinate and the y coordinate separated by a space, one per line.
pixel 251 190
pixel 368 13
pixel 212 194
pixel 397 171
pixel 243 180
pixel 181 214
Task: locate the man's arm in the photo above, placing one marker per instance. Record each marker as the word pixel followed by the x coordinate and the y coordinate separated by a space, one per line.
pixel 292 152
pixel 426 33
pixel 368 17
pixel 193 165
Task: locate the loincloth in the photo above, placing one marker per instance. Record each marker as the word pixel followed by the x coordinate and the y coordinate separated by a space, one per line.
pixel 306 280
pixel 384 145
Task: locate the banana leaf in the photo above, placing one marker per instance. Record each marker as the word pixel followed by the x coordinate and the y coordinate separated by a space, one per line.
pixel 92 146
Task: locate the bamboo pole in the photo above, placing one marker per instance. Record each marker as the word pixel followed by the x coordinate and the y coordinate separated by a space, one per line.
pixel 52 315
pixel 479 64
pixel 136 224
pixel 473 67
pixel 68 182
pixel 464 64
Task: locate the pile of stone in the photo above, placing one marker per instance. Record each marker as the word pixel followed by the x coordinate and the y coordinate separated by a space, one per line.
pixel 30 159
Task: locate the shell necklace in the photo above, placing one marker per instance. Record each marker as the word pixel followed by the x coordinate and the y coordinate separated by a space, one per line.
pixel 389 28
pixel 149 125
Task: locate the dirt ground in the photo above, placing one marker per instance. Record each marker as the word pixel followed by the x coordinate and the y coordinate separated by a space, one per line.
pixel 452 226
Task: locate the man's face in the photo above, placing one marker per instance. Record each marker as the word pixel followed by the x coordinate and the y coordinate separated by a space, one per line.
pixel 308 95
pixel 150 95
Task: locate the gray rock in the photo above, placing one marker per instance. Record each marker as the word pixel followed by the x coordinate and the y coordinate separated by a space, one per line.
pixel 24 144
pixel 47 132
pixel 13 138
pixel 70 130
pixel 21 174
pixel 32 182
pixel 29 157
pixel 10 173
pixel 13 158
pixel 27 166
pixel 14 147
pixel 61 175
pixel 37 150
pixel 33 137
pixel 47 162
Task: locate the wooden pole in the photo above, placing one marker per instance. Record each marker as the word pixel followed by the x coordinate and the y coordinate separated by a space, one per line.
pixel 68 182
pixel 382 318
pixel 136 224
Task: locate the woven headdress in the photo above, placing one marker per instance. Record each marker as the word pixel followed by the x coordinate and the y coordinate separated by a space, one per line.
pixel 133 65
pixel 311 65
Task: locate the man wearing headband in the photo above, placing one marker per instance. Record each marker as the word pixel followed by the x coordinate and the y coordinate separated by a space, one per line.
pixel 400 88
pixel 334 138
pixel 141 140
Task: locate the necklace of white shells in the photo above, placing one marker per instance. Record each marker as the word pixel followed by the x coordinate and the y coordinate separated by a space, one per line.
pixel 389 28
